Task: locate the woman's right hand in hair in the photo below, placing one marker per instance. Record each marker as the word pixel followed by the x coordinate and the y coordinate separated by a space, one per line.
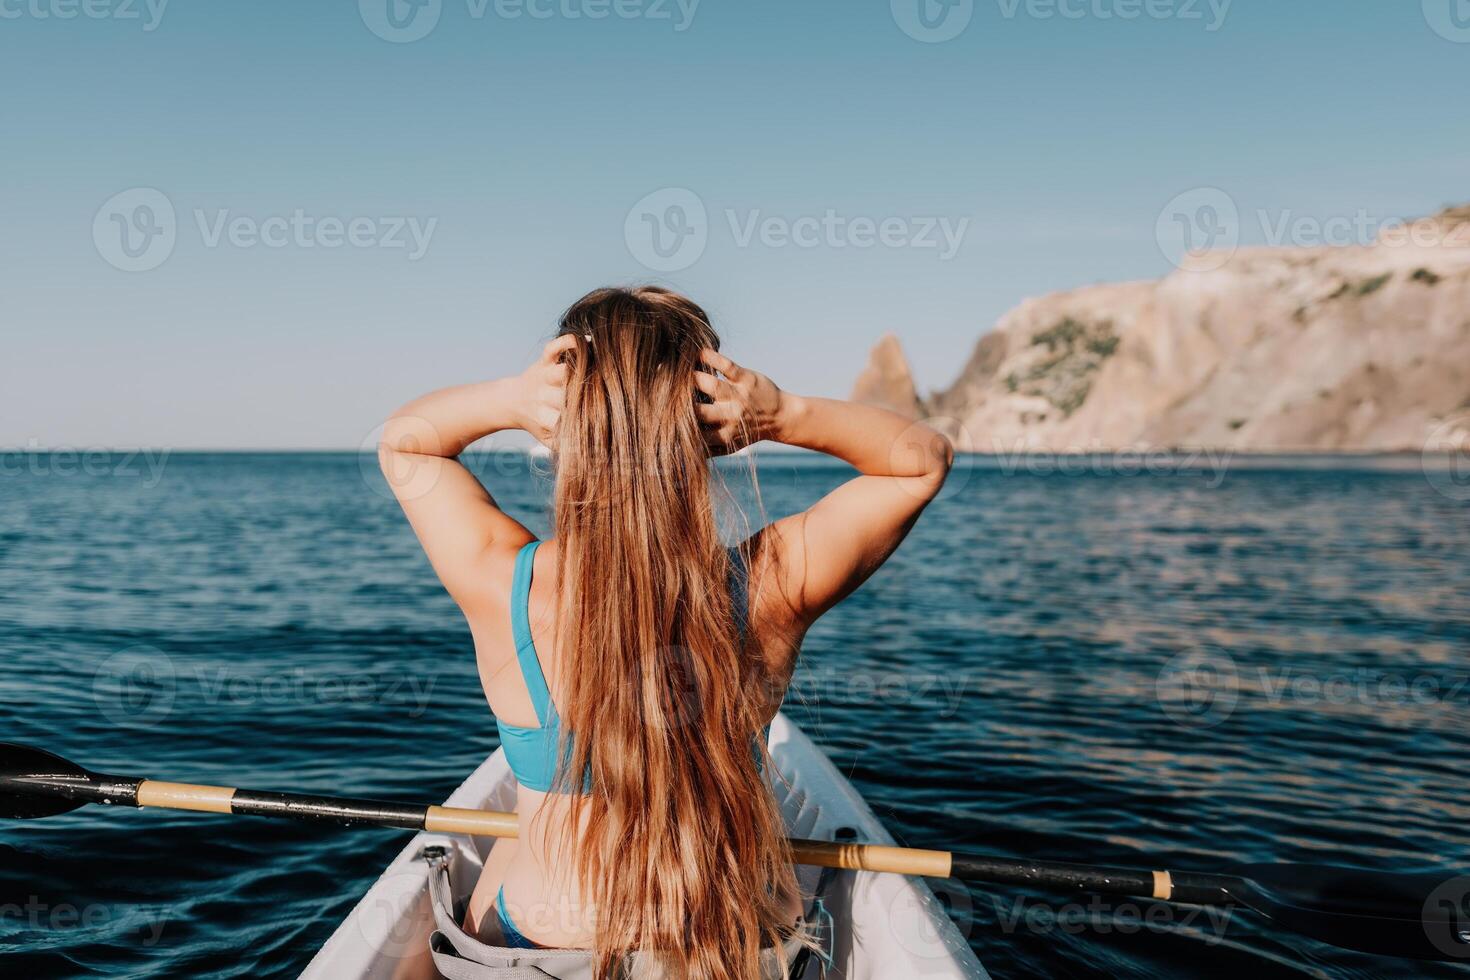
pixel 454 516
pixel 543 390
pixel 745 406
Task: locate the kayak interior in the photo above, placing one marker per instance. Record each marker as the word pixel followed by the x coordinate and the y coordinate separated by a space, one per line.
pixel 883 925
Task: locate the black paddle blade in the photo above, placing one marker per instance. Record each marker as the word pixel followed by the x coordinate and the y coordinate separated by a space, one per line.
pixel 34 783
pixel 1421 916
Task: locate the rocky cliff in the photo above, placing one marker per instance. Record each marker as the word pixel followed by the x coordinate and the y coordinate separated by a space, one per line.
pixel 1283 349
pixel 887 381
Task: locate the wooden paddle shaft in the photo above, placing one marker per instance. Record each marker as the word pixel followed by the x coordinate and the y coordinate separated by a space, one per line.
pixel 223 799
pixel 1407 922
pixel 488 823
pixel 1200 889
pixel 873 857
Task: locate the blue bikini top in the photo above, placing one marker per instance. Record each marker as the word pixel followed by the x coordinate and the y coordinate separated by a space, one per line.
pixel 531 752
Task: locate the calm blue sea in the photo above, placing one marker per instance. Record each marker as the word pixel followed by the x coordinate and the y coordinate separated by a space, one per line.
pixel 1123 662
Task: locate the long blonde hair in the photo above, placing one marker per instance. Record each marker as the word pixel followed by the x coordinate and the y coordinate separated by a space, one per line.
pixel 683 853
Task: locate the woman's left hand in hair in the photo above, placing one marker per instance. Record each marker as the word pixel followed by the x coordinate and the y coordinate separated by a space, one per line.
pixel 745 406
pixel 543 391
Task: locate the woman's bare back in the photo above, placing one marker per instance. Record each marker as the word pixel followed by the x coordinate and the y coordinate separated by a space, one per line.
pixel 542 896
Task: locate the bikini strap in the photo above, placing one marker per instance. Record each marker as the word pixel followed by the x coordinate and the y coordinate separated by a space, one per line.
pixel 520 625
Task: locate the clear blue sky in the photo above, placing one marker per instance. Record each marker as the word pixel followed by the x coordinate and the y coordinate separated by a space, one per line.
pixel 523 142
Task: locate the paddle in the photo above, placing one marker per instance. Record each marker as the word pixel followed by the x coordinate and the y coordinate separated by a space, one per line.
pixel 1424 916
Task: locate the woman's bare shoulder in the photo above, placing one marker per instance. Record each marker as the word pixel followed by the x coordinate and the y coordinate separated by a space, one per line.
pixel 776 625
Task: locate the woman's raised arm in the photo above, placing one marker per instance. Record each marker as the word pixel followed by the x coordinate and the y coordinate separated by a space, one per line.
pixel 455 518
pixel 828 550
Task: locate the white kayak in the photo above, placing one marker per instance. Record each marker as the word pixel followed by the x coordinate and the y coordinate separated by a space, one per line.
pixel 884 926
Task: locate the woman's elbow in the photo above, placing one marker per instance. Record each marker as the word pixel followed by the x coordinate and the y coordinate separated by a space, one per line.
pixel 394 435
pixel 938 453
pixel 938 456
pixel 407 433
pixel 944 450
